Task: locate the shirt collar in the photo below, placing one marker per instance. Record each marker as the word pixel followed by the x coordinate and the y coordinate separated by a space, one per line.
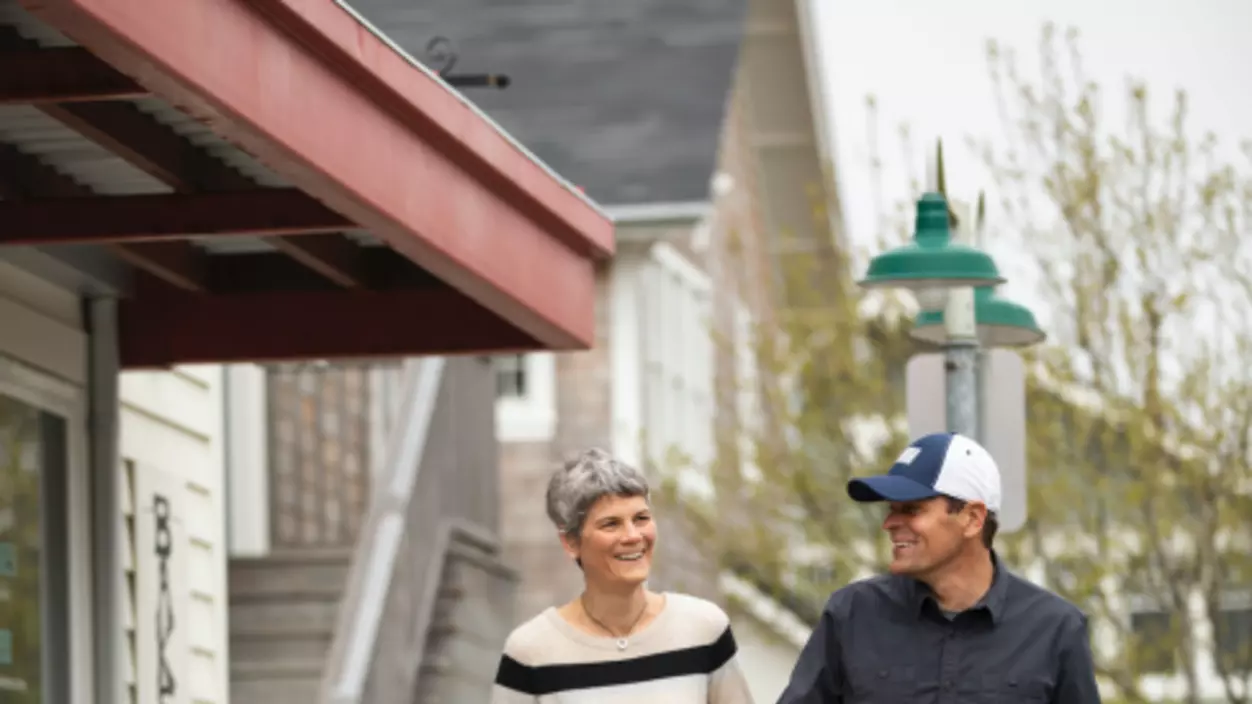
pixel 993 601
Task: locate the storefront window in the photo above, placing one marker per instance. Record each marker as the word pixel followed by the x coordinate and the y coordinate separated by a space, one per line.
pixel 32 460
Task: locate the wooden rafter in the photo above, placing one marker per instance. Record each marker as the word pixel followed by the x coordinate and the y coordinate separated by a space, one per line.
pixel 159 331
pixel 164 217
pixel 70 77
pixel 61 75
pixel 22 176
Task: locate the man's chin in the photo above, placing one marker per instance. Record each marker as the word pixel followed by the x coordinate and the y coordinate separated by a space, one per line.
pixel 902 567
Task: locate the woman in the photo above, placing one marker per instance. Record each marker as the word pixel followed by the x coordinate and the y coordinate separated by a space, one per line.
pixel 618 641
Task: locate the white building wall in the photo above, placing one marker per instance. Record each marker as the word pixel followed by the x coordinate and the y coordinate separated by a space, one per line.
pixel 171 446
pixel 170 442
pixel 246 456
pixel 766 659
pixel 661 366
pixel 625 354
pixel 770 638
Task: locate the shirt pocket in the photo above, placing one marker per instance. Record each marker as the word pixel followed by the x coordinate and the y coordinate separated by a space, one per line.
pixel 1000 688
pixel 883 684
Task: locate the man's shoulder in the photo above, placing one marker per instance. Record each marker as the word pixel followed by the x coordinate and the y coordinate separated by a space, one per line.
pixel 877 590
pixel 1040 601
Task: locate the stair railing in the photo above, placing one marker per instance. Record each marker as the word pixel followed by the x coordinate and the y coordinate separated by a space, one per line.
pixel 374 561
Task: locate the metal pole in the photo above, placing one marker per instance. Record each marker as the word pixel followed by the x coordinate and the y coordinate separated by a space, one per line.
pixel 980 241
pixel 961 348
pixel 105 463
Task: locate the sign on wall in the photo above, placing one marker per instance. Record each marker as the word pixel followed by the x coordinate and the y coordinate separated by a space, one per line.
pixel 161 590
pixel 1003 413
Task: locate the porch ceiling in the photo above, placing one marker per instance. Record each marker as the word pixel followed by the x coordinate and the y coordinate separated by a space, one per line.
pixel 136 148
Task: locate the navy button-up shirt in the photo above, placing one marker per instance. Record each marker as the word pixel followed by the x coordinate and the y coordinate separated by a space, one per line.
pixel 885 640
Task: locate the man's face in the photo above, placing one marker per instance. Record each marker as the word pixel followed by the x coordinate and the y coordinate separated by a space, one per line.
pixel 924 535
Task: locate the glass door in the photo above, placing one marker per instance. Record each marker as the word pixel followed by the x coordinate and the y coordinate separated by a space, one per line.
pixel 34 591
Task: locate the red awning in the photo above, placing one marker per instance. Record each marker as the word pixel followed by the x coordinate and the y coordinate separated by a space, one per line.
pixel 503 250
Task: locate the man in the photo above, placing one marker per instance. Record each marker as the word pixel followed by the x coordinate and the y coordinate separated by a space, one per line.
pixel 949 624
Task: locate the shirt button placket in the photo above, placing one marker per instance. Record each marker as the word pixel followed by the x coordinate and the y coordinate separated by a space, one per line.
pixel 948 663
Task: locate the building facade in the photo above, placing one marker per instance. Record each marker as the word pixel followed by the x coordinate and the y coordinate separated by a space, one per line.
pixel 168 209
pixel 167 519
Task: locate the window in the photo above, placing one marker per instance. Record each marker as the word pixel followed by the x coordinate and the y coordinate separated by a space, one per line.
pixel 1155 641
pixel 511 376
pixel 34 585
pixel 525 397
pixel 1232 636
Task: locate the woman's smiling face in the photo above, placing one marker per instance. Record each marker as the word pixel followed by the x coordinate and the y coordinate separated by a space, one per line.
pixel 616 542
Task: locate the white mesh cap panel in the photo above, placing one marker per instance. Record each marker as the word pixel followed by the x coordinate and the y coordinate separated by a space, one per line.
pixel 969 473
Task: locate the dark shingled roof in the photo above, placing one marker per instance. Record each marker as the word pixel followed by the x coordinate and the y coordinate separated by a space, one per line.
pixel 624 98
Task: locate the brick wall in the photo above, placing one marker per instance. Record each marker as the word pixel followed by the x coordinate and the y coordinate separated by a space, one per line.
pixel 319 453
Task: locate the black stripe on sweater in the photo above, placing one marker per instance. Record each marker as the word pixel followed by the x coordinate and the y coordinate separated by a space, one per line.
pixel 548 679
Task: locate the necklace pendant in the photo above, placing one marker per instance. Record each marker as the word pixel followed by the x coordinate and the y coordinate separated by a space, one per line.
pixel 622 643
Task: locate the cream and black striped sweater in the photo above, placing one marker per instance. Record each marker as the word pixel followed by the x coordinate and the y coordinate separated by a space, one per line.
pixel 687 655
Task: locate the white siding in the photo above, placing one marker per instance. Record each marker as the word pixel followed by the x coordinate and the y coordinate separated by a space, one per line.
pixel 41 325
pixel 676 350
pixel 625 359
pixel 171 443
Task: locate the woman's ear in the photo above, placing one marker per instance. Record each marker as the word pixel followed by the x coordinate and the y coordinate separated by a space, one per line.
pixel 570 545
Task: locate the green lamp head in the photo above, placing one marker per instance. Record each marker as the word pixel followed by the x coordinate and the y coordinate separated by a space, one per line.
pixel 932 260
pixel 1001 323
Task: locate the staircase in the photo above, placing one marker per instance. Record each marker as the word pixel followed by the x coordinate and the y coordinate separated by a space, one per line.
pixel 464 642
pixel 416 612
pixel 283 609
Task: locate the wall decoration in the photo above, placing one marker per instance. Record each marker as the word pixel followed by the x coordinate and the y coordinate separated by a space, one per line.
pixel 162 591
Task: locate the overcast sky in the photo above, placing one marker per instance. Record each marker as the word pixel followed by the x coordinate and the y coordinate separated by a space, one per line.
pixel 925 63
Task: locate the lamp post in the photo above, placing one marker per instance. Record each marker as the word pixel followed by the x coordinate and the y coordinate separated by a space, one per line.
pixel 943 274
pixel 955 285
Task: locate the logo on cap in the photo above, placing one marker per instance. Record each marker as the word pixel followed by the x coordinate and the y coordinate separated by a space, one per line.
pixel 909 454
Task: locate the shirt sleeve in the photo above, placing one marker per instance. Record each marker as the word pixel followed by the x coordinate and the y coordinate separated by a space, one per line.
pixel 727 684
pixel 817 677
pixel 1076 682
pixel 514 684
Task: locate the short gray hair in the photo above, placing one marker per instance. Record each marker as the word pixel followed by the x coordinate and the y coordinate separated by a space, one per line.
pixel 582 480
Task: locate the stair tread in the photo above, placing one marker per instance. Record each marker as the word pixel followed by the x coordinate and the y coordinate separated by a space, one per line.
pixel 296 665
pixel 286 593
pixel 254 670
pixel 259 631
pixel 319 556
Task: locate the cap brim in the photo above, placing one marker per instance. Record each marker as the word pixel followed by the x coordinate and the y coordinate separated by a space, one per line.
pixel 889 488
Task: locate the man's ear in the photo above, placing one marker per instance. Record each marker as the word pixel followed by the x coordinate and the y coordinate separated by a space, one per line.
pixel 977 517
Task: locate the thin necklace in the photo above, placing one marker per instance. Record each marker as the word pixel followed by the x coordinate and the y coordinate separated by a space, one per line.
pixel 622 641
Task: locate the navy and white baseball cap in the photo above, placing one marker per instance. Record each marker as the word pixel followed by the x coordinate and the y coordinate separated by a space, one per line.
pixel 942 464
